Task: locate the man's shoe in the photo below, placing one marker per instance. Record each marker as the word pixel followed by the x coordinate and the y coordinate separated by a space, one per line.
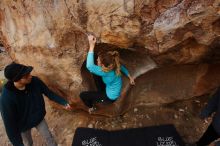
pixel 91 110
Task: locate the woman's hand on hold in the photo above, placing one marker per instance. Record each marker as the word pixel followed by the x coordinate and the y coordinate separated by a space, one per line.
pixel 92 41
pixel 132 82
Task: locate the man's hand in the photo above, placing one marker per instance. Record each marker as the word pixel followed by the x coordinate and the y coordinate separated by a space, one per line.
pixel 68 107
pixel 207 120
pixel 92 41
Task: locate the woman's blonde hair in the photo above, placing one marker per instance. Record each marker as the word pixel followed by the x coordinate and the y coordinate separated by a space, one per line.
pixel 111 61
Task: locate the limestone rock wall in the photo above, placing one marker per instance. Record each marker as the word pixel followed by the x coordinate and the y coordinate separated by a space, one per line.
pixel 51 35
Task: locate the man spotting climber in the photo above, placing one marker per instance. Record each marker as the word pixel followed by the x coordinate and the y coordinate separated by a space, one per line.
pixel 22 105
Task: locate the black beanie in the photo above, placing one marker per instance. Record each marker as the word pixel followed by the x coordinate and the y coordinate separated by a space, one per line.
pixel 14 71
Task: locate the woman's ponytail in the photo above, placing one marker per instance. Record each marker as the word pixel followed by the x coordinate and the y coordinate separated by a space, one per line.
pixel 115 54
pixel 110 61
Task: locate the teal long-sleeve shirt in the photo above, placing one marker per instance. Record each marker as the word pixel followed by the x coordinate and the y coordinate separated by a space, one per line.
pixel 111 79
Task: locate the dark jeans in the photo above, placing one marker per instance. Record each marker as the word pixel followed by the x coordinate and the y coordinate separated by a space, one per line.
pixel 90 98
pixel 209 136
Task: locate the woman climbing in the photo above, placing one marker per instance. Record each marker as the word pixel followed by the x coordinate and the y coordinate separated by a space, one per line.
pixel 109 69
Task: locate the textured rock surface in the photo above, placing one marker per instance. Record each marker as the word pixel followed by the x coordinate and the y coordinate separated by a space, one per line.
pixel 5 59
pixel 51 36
pixel 179 37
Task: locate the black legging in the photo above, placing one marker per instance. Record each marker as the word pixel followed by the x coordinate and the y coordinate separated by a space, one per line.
pixel 90 98
pixel 209 136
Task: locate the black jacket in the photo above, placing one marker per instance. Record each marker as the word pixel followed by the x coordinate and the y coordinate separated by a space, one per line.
pixel 23 110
